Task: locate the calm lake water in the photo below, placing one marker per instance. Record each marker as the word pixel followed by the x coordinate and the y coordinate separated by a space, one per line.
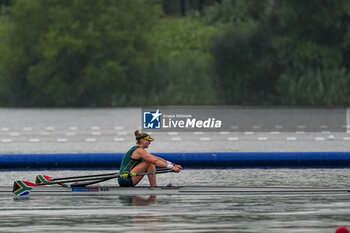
pixel 111 130
pixel 214 213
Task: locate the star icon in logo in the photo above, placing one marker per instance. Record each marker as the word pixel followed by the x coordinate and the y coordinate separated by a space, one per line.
pixel 156 115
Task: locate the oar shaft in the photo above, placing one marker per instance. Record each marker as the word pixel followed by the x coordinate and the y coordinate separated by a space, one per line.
pixel 97 175
pixel 105 177
pixel 116 175
pixel 88 176
pixel 166 170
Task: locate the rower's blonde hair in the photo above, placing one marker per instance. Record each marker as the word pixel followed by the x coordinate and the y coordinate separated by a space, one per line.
pixel 139 134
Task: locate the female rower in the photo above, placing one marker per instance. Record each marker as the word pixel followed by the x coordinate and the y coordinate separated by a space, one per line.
pixel 138 160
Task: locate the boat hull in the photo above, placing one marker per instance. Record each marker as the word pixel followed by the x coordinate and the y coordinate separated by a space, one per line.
pixel 176 190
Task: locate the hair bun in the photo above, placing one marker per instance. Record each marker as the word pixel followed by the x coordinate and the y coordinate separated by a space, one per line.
pixel 137 133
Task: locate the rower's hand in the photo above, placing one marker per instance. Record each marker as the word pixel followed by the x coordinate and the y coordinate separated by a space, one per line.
pixel 177 168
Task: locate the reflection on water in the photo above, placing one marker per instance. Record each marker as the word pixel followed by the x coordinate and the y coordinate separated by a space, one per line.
pixel 138 200
pixel 142 221
pixel 254 213
pixel 145 222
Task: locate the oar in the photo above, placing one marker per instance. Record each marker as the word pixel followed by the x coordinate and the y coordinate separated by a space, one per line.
pixel 95 181
pixel 104 178
pixel 23 188
pixel 43 179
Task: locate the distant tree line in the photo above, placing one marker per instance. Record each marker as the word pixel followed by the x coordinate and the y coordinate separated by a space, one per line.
pixel 108 53
pixel 289 52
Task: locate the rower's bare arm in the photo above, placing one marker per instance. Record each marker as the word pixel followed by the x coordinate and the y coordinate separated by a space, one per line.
pixel 151 158
pixel 167 162
pixel 159 162
pixel 160 158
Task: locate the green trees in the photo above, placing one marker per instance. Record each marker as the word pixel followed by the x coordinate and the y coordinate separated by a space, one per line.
pixel 183 71
pixel 315 53
pixel 290 52
pixel 74 52
pixel 64 53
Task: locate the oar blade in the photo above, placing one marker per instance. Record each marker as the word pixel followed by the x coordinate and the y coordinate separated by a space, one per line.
pixel 22 188
pixel 42 179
